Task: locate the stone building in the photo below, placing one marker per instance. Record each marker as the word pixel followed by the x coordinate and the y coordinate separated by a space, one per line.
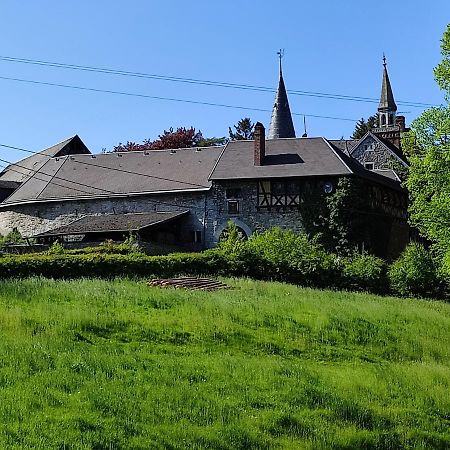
pixel 188 196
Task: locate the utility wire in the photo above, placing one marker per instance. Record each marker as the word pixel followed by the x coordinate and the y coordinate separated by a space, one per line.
pixel 104 167
pixel 106 191
pixel 154 97
pixel 201 82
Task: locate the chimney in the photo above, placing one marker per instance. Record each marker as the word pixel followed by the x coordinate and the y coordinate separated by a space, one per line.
pixel 400 122
pixel 260 144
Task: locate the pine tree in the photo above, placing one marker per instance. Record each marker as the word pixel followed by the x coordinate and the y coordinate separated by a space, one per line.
pixel 243 130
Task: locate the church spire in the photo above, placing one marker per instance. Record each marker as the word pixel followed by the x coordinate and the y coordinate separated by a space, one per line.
pixel 387 107
pixel 281 125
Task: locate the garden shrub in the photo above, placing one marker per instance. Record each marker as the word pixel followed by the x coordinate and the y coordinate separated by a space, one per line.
pixel 363 272
pixel 415 274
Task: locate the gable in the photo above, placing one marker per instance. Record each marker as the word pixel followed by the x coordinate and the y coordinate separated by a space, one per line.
pixel 371 149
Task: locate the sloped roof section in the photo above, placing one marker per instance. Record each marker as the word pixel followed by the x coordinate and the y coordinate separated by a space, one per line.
pixel 22 169
pixel 114 223
pixel 300 157
pixel 387 102
pixel 281 124
pixel 118 174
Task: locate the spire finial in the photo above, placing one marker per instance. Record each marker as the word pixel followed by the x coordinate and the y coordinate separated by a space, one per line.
pixel 384 60
pixel 280 54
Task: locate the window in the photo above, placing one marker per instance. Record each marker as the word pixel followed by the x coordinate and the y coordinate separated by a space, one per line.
pixel 369 165
pixel 233 207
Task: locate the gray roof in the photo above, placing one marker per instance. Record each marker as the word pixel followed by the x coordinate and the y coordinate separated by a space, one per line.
pixel 118 174
pixel 22 169
pixel 298 157
pixel 281 125
pixel 114 222
pixel 346 145
pixel 387 102
pixel 389 173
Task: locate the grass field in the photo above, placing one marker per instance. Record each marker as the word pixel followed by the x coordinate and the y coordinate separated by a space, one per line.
pixel 92 364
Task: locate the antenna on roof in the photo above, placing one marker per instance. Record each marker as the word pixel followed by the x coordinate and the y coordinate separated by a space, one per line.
pixel 305 134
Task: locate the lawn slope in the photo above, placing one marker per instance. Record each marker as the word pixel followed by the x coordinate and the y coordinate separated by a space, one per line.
pixel 91 364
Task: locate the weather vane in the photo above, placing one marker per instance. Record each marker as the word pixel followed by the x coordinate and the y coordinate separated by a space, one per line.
pixel 384 60
pixel 280 54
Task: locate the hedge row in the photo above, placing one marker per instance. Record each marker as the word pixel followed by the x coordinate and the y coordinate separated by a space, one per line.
pixel 272 255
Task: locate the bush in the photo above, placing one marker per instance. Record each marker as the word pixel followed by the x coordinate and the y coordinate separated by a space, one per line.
pixel 363 272
pixel 288 256
pixel 56 249
pixel 415 274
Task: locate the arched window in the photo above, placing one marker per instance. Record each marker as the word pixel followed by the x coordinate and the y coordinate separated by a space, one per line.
pixel 383 119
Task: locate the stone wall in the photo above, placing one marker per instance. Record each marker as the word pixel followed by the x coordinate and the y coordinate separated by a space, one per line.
pixel 250 218
pixel 372 151
pixel 37 218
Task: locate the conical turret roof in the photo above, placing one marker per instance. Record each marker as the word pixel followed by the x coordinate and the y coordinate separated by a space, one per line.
pixel 387 102
pixel 281 125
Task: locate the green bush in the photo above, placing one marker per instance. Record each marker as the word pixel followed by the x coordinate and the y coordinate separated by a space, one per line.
pixel 288 256
pixel 108 266
pixel 415 274
pixel 56 249
pixel 363 272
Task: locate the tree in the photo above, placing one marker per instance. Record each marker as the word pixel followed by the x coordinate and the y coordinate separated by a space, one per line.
pixel 180 138
pixel 243 130
pixel 427 147
pixel 362 127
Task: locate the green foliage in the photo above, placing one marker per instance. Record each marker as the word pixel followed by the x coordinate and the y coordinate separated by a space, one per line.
pixel 289 256
pixel 244 130
pixel 363 272
pixel 95 364
pixel 415 273
pixel 13 237
pixel 428 150
pixel 57 248
pixel 362 127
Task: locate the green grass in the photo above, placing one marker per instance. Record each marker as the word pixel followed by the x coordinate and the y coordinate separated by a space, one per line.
pixel 91 364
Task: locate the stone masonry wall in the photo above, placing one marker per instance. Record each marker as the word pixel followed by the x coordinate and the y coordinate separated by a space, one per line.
pixel 249 218
pixel 371 151
pixel 37 218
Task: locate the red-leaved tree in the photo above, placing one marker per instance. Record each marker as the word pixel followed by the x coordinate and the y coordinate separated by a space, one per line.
pixel 180 138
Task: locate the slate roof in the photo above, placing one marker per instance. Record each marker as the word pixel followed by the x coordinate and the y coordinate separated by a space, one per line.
pixel 389 173
pixel 346 145
pixel 298 157
pixel 387 102
pixel 22 169
pixel 114 222
pixel 118 174
pixel 281 125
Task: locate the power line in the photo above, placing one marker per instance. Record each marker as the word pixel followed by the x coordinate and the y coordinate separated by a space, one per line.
pixel 106 191
pixel 154 97
pixel 104 167
pixel 202 82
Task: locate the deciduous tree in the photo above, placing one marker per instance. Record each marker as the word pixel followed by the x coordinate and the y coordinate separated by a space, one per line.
pixel 427 146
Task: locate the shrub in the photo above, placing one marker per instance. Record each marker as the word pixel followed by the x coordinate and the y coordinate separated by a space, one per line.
pixel 288 256
pixel 363 272
pixel 56 249
pixel 415 273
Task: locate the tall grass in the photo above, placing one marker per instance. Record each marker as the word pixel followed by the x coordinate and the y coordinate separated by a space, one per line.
pixel 91 364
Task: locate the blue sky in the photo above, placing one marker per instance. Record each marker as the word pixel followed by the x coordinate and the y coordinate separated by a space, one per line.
pixel 330 46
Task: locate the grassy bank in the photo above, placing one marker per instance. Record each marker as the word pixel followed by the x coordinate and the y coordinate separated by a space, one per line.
pixel 91 364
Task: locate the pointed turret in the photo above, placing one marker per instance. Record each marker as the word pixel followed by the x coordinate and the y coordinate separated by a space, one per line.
pixel 281 125
pixel 387 107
